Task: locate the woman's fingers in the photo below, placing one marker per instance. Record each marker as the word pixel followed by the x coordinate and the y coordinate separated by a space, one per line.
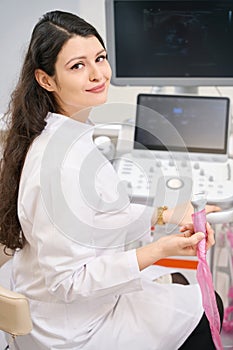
pixel 210 236
pixel 187 227
pixel 189 230
pixel 211 208
pixel 193 239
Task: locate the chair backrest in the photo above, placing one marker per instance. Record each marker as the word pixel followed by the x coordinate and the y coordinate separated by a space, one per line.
pixel 15 317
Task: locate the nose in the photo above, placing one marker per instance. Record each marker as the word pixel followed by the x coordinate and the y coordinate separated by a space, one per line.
pixel 95 73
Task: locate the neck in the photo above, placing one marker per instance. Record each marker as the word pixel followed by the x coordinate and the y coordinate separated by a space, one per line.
pixel 82 115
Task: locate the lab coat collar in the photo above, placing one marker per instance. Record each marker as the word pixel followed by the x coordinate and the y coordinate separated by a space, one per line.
pixel 55 119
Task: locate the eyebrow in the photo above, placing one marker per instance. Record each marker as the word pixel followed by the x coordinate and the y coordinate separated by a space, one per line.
pixel 83 57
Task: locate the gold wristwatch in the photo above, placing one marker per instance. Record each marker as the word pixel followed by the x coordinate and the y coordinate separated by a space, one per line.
pixel 160 211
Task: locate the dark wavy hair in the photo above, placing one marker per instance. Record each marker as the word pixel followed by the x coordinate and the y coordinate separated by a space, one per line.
pixel 28 109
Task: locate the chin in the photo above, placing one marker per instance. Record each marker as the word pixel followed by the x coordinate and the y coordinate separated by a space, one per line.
pixel 99 101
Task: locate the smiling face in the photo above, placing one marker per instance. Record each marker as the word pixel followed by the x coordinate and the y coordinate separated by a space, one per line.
pixel 82 75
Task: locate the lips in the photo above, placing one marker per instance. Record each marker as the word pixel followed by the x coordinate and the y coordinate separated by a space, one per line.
pixel 98 88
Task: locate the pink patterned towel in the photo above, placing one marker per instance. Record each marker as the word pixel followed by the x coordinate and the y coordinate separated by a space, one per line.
pixel 205 281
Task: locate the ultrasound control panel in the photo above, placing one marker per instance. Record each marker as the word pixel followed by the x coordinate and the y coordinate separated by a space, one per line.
pixel 170 181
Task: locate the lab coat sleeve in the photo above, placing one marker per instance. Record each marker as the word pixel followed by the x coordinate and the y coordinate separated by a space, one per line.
pixel 72 271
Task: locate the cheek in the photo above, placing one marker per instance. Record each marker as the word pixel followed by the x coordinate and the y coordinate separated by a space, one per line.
pixel 72 88
pixel 109 71
pixel 106 70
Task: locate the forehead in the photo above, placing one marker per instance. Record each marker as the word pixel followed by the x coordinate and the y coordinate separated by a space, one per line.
pixel 79 46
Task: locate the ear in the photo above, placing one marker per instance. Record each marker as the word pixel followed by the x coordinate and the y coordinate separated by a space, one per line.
pixel 44 80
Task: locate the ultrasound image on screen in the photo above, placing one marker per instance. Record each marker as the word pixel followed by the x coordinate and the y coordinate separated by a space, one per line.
pixel 149 33
pixel 201 123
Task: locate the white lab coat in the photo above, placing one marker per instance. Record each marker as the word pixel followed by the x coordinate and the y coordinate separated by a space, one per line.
pixel 85 289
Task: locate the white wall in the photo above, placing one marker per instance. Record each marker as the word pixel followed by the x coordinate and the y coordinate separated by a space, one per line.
pixel 17 18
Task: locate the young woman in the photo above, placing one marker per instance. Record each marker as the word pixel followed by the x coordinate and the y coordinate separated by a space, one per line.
pixel 60 213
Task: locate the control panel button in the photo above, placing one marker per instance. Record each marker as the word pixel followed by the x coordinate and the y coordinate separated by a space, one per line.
pixel 174 183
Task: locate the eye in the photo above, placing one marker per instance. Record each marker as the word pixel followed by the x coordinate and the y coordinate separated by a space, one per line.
pixel 77 65
pixel 101 58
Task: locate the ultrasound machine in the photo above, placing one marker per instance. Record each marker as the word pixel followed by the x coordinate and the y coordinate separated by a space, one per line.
pixel 179 147
pixel 178 144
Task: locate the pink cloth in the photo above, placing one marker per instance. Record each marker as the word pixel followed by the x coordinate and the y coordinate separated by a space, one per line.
pixel 204 278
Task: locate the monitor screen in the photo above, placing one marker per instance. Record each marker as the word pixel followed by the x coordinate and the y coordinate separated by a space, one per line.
pixel 201 122
pixel 170 42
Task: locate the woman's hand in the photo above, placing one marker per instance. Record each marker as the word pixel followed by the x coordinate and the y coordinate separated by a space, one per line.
pixel 182 244
pixel 185 243
pixel 188 230
pixel 182 213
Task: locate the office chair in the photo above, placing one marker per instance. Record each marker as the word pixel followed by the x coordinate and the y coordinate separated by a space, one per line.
pixel 15 318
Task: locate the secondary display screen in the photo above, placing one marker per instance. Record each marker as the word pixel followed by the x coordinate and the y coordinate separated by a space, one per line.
pixel 201 123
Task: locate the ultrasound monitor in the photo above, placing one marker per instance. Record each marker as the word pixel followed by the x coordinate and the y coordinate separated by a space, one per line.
pixel 202 123
pixel 170 42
